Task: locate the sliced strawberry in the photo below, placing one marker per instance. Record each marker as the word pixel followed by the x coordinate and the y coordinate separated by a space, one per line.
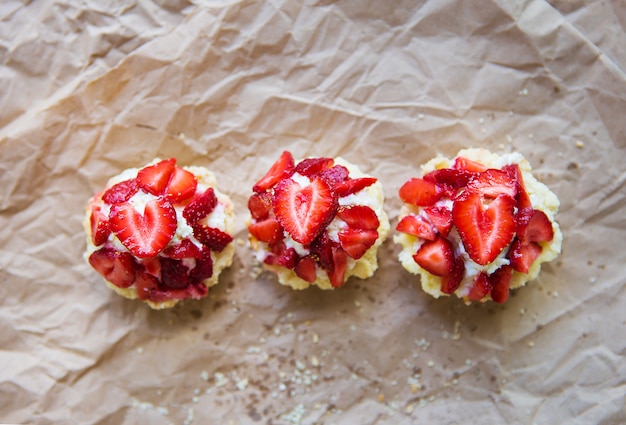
pixel 523 200
pixel 212 237
pixel 484 231
pixel 436 257
pixel 204 267
pixel 501 280
pixel 115 266
pixel 481 287
pixel 184 249
pixel 147 286
pixel 321 249
pixel 523 256
pixel 280 255
pixel 144 235
pixel 492 183
pixel 304 211
pixel 334 175
pixel 268 230
pixel 120 192
pixel 350 186
pixel 441 218
pixel 337 273
pixel 462 163
pixel 155 178
pixel 419 192
pixel 311 166
pixel 281 169
pixel 100 228
pixel 417 225
pixel 356 242
pixel 152 266
pixel 449 181
pixel 182 185
pixel 174 274
pixel 359 217
pixel 200 207
pixel 533 226
pixel 306 269
pixel 260 205
pixel 452 281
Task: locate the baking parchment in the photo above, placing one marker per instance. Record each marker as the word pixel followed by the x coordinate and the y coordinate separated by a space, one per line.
pixel 91 89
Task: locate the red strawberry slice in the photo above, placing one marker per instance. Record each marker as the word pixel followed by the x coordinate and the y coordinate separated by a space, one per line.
pixel 484 231
pixel 359 217
pixel 260 205
pixel 204 267
pixel 280 255
pixel 147 286
pixel 419 192
pixel 350 186
pixel 115 266
pixel 492 183
pixel 523 256
pixel 304 211
pixel 281 169
pixel 311 166
pixel 452 281
pixel 200 207
pixel 306 269
pixel 212 237
pixel 152 266
pixel 334 175
pixel 120 192
pixel 356 242
pixel 268 230
pixel 182 185
pixel 184 249
pixel 417 225
pixel 523 200
pixel 449 181
pixel 321 249
pixel 501 280
pixel 436 257
pixel 155 178
pixel 145 235
pixel 337 273
pixel 462 163
pixel 100 229
pixel 481 287
pixel 441 218
pixel 533 226
pixel 174 274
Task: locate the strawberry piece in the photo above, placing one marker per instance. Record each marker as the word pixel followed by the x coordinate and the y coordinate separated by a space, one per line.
pixel 120 192
pixel 200 207
pixel 350 186
pixel 356 242
pixel 334 175
pixel 466 164
pixel 441 218
pixel 492 183
pixel 311 166
pixel 337 273
pixel 147 286
pixel 359 217
pixel 155 178
pixel 417 225
pixel 523 200
pixel 449 181
pixel 280 255
pixel 452 281
pixel 501 280
pixel 212 237
pixel 485 232
pixel 260 205
pixel 481 287
pixel 100 229
pixel 306 269
pixel 304 211
pixel 184 249
pixel 182 185
pixel 268 230
pixel 152 266
pixel 281 169
pixel 174 274
pixel 522 256
pixel 115 266
pixel 144 235
pixel 533 226
pixel 204 267
pixel 436 257
pixel 419 192
pixel 321 249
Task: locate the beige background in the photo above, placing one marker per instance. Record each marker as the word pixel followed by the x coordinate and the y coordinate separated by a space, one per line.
pixel 90 88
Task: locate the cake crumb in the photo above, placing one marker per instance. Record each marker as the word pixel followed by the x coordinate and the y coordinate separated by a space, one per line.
pixel 381 397
pixel 580 144
pixel 315 338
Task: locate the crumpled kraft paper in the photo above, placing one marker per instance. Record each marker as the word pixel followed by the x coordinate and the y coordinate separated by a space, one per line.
pixel 229 85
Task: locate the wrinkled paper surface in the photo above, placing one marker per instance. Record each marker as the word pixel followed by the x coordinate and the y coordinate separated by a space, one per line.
pixel 90 89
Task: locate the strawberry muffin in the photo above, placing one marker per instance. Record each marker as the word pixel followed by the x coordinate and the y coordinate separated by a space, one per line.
pixel 477 225
pixel 161 233
pixel 317 221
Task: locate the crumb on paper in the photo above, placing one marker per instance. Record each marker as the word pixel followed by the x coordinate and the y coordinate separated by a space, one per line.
pixel 295 416
pixel 242 384
pixel 580 144
pixel 381 397
pixel 315 338
pixel 220 379
pixel 190 416
pixel 204 375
